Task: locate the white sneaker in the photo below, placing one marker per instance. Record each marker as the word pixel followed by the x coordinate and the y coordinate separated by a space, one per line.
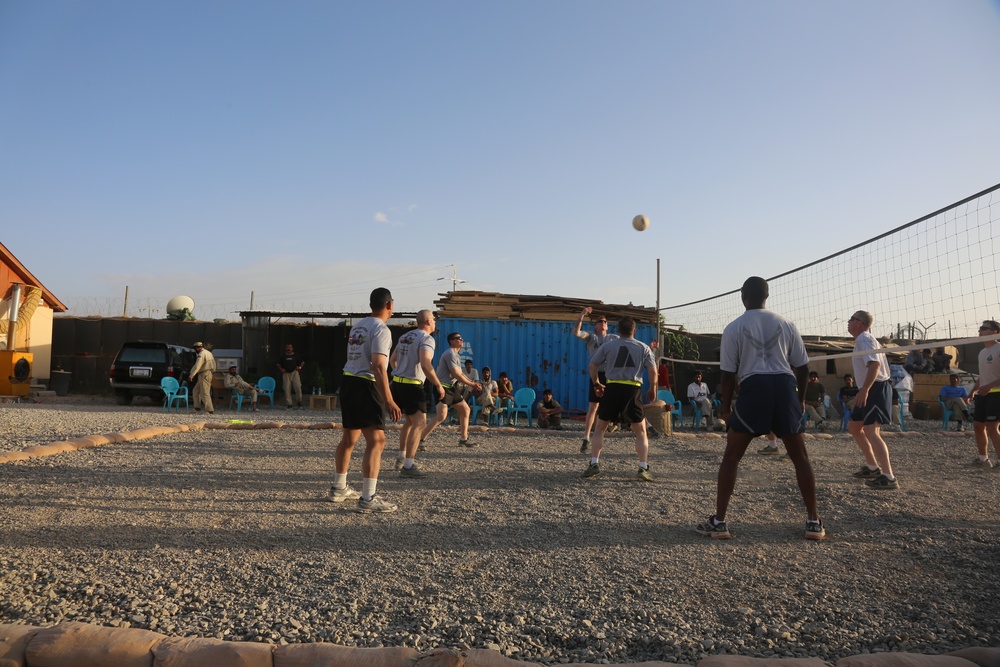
pixel 376 504
pixel 340 495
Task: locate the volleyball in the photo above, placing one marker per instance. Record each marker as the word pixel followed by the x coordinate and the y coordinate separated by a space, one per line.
pixel 640 223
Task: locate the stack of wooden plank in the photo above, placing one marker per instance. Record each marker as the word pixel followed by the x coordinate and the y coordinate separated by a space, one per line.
pixel 493 305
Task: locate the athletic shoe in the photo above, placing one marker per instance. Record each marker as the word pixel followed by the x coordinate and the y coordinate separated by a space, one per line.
pixel 421 447
pixel 340 495
pixel 867 473
pixel 960 427
pixel 644 475
pixel 612 428
pixel 585 447
pixel 979 463
pixel 882 482
pixel 466 443
pixel 815 530
pixel 652 432
pixel 412 471
pixel 593 470
pixel 821 425
pixel 376 504
pixel 399 463
pixel 769 449
pixel 712 529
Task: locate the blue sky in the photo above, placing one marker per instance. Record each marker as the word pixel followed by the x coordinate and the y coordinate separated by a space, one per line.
pixel 310 151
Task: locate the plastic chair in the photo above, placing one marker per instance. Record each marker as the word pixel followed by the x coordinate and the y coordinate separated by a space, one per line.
pixel 946 415
pixel 497 417
pixel 235 395
pixel 524 399
pixel 265 388
pixel 173 392
pixel 696 414
pixel 667 397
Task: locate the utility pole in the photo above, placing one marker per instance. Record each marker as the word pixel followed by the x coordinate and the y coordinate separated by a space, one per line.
pixel 455 280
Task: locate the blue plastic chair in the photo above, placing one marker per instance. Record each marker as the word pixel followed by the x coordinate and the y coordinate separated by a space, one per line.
pixel 667 396
pixel 235 395
pixel 946 415
pixel 265 388
pixel 173 393
pixel 696 414
pixel 524 399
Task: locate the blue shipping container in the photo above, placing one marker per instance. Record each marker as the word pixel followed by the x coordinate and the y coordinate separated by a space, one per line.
pixel 538 354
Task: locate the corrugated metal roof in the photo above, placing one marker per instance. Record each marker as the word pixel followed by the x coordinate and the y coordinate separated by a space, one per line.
pixel 535 353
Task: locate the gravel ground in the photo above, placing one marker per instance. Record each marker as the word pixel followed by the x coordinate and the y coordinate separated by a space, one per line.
pixel 228 534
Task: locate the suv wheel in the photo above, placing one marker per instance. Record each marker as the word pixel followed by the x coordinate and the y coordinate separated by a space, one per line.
pixel 123 397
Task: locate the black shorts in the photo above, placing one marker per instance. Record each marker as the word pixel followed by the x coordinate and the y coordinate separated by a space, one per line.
pixel 621 402
pixel 592 395
pixel 361 404
pixel 411 398
pixel 456 393
pixel 987 407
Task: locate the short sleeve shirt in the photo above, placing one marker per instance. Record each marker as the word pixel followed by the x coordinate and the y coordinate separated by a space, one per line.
pixel 595 341
pixel 448 361
pixel 369 336
pixel 408 354
pixel 760 342
pixel 865 342
pixel 623 359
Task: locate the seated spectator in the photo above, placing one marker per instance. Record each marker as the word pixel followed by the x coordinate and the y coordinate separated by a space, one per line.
pixel 471 372
pixel 549 412
pixel 956 398
pixel 699 392
pixel 848 392
pixel 232 380
pixel 815 405
pixel 488 401
pixel 942 361
pixel 897 410
pixel 917 362
pixel 505 390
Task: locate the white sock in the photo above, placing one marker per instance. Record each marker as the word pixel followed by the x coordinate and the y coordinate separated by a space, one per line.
pixel 984 458
pixel 340 481
pixel 408 463
pixel 872 467
pixel 368 487
pixel 643 464
pixel 593 461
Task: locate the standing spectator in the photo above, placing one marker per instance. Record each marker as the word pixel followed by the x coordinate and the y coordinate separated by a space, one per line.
pixel 457 387
pixel 623 360
pixel 549 412
pixel 872 405
pixel 201 375
pixel 699 392
pixel 815 395
pixel 594 341
pixel 365 397
pixel 762 352
pixel 986 414
pixel 847 393
pixel 413 364
pixel 956 399
pixel 663 374
pixel 290 365
pixel 233 380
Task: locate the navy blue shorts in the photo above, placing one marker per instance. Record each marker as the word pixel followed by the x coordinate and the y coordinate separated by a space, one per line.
pixel 767 404
pixel 360 404
pixel 621 401
pixel 878 406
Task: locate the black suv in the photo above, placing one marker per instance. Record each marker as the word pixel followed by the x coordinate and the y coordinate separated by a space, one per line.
pixel 139 366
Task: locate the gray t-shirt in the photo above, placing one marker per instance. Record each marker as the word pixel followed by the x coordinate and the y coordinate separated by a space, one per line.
pixel 446 363
pixel 760 342
pixel 594 341
pixel 623 359
pixel 408 354
pixel 369 336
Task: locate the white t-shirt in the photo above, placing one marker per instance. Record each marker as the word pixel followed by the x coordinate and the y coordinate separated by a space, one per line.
pixel 369 336
pixel 408 354
pixel 760 342
pixel 989 366
pixel 866 341
pixel 697 390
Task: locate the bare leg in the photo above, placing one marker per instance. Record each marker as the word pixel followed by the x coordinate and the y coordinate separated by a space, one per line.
pixel 736 447
pixel 856 429
pixel 588 425
pixel 796 447
pixel 641 441
pixel 417 423
pixel 342 458
pixel 982 441
pixel 439 417
pixel 374 444
pixel 878 448
pixel 597 444
pixel 463 411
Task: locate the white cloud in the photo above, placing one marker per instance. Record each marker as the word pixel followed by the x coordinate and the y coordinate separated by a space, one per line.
pixel 381 217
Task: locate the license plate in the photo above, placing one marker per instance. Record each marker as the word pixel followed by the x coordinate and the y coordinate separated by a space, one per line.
pixel 140 372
